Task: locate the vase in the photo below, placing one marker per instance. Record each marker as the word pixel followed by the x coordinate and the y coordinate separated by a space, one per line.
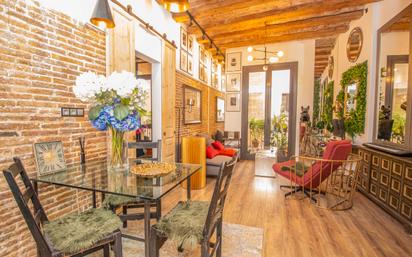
pixel 117 150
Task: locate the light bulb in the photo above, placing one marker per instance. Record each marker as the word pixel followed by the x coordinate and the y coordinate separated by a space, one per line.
pixel 265 67
pixel 280 54
pixel 273 59
pixel 102 24
pixel 250 49
pixel 250 58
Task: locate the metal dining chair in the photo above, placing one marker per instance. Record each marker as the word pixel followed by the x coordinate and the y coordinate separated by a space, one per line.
pixel 195 221
pixel 62 237
pixel 126 203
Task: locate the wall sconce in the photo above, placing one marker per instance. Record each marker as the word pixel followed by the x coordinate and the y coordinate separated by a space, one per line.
pixel 383 72
pixel 190 103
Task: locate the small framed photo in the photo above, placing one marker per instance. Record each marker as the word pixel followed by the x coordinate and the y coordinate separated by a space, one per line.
pixel 233 82
pixel 73 112
pixel 190 64
pixel 80 112
pixel 65 112
pixel 233 102
pixel 234 61
pixel 190 45
pixel 183 60
pixel 220 109
pixel 183 38
pixel 202 55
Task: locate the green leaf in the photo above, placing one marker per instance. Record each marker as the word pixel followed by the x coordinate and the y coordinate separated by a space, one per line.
pixel 94 112
pixel 121 111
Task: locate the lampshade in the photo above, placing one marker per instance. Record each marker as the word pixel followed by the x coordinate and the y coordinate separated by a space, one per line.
pixel 102 16
pixel 176 6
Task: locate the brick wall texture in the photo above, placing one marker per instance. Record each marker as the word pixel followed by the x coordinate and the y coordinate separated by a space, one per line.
pixel 41 53
pixel 208 124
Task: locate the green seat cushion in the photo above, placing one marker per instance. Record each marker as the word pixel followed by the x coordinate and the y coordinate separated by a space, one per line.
pixel 299 168
pixel 184 224
pixel 76 232
pixel 116 200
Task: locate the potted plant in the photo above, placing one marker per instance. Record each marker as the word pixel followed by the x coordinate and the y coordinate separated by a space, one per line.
pixel 279 136
pixel 116 106
pixel 256 131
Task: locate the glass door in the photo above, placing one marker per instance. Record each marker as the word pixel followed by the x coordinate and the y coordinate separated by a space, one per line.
pixel 269 111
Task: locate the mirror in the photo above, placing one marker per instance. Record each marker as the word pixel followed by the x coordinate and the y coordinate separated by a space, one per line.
pixel 354 44
pixel 393 81
pixel 350 97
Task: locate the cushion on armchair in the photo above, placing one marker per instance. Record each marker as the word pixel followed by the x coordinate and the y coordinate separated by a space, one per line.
pixel 75 232
pixel 211 152
pixel 228 152
pixel 218 145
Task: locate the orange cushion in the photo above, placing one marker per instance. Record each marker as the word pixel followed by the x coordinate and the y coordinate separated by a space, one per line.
pixel 228 152
pixel 211 152
pixel 218 146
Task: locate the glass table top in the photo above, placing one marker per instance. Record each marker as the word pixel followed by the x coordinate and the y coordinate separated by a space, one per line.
pixel 95 176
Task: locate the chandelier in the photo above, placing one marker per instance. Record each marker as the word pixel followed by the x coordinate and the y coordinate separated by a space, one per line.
pixel 269 57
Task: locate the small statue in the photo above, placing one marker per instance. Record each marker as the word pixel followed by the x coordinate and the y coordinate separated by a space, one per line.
pixel 304 114
pixel 385 113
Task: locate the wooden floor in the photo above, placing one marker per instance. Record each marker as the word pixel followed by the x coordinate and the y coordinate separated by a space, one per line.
pixel 296 228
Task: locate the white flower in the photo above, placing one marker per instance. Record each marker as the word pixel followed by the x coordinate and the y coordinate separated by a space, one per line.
pixel 88 85
pixel 122 82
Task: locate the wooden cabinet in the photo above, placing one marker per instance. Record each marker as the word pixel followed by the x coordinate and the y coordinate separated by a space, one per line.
pixel 194 152
pixel 387 180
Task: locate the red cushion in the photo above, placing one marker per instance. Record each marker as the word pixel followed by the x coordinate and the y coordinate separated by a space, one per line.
pixel 228 152
pixel 211 152
pixel 218 146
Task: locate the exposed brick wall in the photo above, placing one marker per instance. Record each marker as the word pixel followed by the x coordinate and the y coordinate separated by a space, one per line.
pixel 41 53
pixel 209 124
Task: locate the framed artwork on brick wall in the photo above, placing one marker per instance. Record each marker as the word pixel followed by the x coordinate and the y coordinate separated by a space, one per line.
pixel 233 102
pixel 183 39
pixel 192 101
pixel 183 60
pixel 49 157
pixel 220 109
pixel 233 82
pixel 234 62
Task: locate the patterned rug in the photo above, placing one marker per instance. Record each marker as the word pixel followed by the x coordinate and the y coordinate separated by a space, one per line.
pixel 238 241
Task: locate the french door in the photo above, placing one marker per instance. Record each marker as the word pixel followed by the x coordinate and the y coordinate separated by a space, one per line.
pixel 268 108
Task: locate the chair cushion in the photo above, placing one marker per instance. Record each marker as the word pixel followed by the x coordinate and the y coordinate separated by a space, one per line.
pixel 76 232
pixel 184 224
pixel 211 152
pixel 116 200
pixel 228 152
pixel 218 146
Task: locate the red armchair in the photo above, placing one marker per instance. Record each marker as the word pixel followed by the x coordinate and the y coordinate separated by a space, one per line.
pixel 308 178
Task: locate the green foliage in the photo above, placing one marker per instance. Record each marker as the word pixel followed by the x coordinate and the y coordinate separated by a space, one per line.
pixel 94 112
pixel 256 128
pixel 316 102
pixel 355 119
pixel 398 130
pixel 279 137
pixel 327 112
pixel 121 111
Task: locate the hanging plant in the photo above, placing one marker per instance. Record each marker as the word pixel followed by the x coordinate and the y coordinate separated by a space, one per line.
pixel 354 118
pixel 316 101
pixel 327 112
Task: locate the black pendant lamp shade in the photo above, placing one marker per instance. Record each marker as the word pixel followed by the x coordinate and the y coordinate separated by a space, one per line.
pixel 102 16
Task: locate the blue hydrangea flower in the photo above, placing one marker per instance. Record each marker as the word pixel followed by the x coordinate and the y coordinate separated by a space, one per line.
pixel 106 118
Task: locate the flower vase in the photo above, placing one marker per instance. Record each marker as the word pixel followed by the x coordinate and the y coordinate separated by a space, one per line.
pixel 117 150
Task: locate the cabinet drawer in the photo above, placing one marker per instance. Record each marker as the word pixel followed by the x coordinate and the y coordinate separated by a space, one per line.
pixel 408 174
pixel 373 189
pixel 365 170
pixel 376 160
pixel 383 195
pixel 394 202
pixel 384 179
pixel 374 175
pixel 385 164
pixel 395 185
pixel 406 210
pixel 407 191
pixel 396 169
pixel 366 157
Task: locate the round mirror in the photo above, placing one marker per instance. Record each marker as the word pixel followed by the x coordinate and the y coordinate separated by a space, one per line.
pixel 354 45
pixel 331 64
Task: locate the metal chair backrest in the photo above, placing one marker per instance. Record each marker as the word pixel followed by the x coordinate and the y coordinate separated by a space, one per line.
pixel 232 135
pixel 218 199
pixel 35 219
pixel 148 145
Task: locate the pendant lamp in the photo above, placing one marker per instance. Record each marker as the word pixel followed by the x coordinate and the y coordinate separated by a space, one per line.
pixel 102 15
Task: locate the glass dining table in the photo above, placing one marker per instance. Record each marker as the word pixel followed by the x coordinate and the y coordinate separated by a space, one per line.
pixel 95 176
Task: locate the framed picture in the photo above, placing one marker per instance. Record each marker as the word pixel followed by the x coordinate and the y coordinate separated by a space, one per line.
pixel 220 109
pixel 233 82
pixel 202 55
pixel 183 38
pixel 234 61
pixel 233 102
pixel 190 64
pixel 183 60
pixel 190 45
pixel 223 83
pixel 49 157
pixel 192 100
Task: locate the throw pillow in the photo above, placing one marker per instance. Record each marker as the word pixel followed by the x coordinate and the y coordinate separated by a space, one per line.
pixel 228 152
pixel 211 152
pixel 299 168
pixel 218 146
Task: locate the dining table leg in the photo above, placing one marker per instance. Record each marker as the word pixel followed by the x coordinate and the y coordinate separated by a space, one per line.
pixel 146 228
pixel 188 189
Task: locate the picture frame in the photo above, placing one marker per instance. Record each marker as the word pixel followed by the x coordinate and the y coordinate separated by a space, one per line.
pixel 190 64
pixel 192 102
pixel 183 60
pixel 183 39
pixel 233 102
pixel 223 83
pixel 234 61
pixel 233 82
pixel 220 109
pixel 190 44
pixel 49 157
